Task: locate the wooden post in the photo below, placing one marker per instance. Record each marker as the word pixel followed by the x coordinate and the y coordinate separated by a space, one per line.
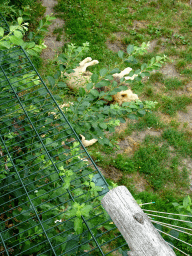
pixel 141 236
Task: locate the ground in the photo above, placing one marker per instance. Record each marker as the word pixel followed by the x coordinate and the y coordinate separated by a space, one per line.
pixel 53 46
pixel 130 143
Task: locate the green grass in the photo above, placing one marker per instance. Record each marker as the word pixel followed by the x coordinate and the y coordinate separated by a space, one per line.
pixel 158 160
pixel 96 22
pixel 156 77
pixel 173 83
pixel 170 105
pixel 154 161
pixel 124 22
pixel 181 141
pixel 151 160
pixel 187 71
pixel 150 120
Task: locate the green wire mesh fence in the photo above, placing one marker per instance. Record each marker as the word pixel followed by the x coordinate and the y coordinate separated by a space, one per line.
pixel 50 188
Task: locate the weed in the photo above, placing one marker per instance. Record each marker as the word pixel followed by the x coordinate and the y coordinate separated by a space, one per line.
pixel 151 160
pixel 149 91
pixel 169 105
pixel 58 38
pixel 129 183
pixel 171 50
pixel 127 40
pixel 186 71
pixel 150 120
pixel 156 77
pixel 58 31
pixel 179 140
pixel 124 163
pixel 179 39
pixel 174 124
pixel 153 4
pixel 185 125
pixel 180 64
pixel 173 83
pixel 186 55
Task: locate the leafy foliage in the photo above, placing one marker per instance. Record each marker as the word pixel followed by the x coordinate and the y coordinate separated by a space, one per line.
pixel 90 114
pixel 17 32
pixel 37 171
pixel 42 166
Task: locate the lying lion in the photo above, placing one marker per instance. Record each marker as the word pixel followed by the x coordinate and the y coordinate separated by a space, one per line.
pixel 80 78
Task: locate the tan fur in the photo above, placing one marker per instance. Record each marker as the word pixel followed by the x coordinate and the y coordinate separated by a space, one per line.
pixel 125 96
pixel 80 78
pixel 87 143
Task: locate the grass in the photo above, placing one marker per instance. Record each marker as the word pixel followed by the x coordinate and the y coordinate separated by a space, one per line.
pixel 99 22
pixel 122 23
pixel 170 105
pixel 150 120
pixel 173 84
pixel 179 140
pixel 156 160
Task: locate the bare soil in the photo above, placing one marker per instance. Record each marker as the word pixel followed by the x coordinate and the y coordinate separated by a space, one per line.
pixel 53 46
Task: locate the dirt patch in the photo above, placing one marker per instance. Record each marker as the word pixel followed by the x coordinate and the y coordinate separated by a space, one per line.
pixel 137 24
pixel 111 173
pixel 169 70
pixel 187 162
pixel 152 45
pixel 123 126
pixel 115 46
pixel 128 145
pixel 53 46
pixel 165 118
pixel 185 118
pixel 140 182
pixel 132 142
pixel 189 88
pixel 115 42
pixel 119 35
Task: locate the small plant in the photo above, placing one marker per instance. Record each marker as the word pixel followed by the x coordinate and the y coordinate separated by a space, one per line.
pixel 38 35
pixel 179 39
pixel 15 38
pixel 169 105
pixel 173 83
pixel 179 140
pixel 124 163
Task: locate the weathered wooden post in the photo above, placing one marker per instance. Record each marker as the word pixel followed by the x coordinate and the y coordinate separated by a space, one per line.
pixel 141 236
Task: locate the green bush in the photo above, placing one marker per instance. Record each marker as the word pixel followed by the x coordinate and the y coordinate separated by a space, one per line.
pixel 89 113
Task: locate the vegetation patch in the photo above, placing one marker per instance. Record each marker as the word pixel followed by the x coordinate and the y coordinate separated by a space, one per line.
pixel 179 140
pixel 170 105
pixel 158 160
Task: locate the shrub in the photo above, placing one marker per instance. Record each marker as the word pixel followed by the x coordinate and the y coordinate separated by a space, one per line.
pixel 89 114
